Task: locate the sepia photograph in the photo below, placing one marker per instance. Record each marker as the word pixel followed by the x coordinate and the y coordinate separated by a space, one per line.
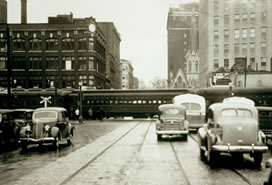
pixel 135 92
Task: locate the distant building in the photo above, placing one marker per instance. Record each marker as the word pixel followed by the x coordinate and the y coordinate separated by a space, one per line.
pixel 112 54
pixel 127 78
pixel 62 53
pixel 3 11
pixel 234 29
pixel 135 83
pixel 179 27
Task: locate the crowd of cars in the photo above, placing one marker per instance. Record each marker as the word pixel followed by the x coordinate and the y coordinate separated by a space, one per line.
pixel 234 126
pixel 24 127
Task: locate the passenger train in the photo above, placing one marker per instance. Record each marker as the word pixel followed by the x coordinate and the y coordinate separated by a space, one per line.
pixel 136 103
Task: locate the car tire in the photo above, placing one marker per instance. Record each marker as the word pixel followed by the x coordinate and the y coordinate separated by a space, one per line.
pixel 258 157
pixel 212 157
pixel 159 137
pixel 69 140
pixel 56 143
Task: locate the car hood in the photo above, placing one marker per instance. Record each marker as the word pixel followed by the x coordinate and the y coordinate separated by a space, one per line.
pixel 239 130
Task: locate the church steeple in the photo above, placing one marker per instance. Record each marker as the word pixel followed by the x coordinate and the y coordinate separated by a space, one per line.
pixel 193 45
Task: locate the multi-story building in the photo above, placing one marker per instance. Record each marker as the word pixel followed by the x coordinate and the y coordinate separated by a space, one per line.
pixel 127 78
pixel 233 29
pixel 3 11
pixel 65 53
pixel 178 27
pixel 112 54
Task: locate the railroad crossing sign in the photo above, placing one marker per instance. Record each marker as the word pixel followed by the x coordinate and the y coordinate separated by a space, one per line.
pixel 45 100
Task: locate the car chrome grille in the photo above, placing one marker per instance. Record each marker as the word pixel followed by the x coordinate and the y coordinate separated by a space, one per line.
pixel 172 127
pixel 37 130
pixel 267 131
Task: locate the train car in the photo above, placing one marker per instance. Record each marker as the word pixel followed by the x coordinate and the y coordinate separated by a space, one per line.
pixel 119 103
pixel 260 96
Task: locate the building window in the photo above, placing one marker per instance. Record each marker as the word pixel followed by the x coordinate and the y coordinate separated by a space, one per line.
pixel 91 80
pixel 226 34
pixel 35 44
pixel 263 47
pixel 35 82
pixel 216 20
pixel 216 50
pixel 252 17
pixel 91 44
pixel 83 63
pixel 91 63
pixel 35 62
pixel 51 44
pixel 18 62
pixel 263 16
pixel 252 32
pixel 244 48
pixel 68 63
pixel 226 19
pixel 263 61
pixel 68 81
pixel 83 79
pixel 252 48
pixel 68 44
pixel 244 19
pixel 226 49
pixel 3 62
pixel 19 44
pixel 82 44
pixel 236 34
pixel 51 63
pixel 244 33
pixel 236 48
pixel 226 4
pixel 216 35
pixel 215 63
pixel 263 33
pixel 226 63
pixel 3 45
pixel 236 18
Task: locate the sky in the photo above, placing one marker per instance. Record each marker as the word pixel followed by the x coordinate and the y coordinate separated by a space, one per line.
pixel 141 24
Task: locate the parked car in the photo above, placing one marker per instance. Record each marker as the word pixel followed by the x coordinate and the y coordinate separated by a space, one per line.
pixel 9 130
pixel 231 128
pixel 172 121
pixel 23 116
pixel 265 122
pixel 49 125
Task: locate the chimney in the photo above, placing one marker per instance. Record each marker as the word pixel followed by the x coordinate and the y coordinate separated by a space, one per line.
pixel 23 11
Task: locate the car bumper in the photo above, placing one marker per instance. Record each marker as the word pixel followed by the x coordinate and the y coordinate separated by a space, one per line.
pixel 172 132
pixel 39 140
pixel 246 149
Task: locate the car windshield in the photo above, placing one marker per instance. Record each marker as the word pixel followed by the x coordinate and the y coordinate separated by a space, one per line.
pixel 45 114
pixel 19 114
pixel 194 106
pixel 171 111
pixel 236 112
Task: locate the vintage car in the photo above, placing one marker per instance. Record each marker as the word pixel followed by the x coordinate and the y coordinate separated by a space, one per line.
pixel 9 130
pixel 231 128
pixel 265 122
pixel 49 125
pixel 172 121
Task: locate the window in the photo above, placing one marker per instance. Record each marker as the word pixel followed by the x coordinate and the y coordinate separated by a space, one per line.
pixel 244 33
pixel 236 18
pixel 216 49
pixel 244 18
pixel 226 63
pixel 216 35
pixel 51 44
pixel 244 48
pixel 263 61
pixel 252 48
pixel 68 63
pixel 263 47
pixel 68 44
pixel 263 16
pixel 83 63
pixel 19 44
pixel 82 44
pixel 226 49
pixel 236 48
pixel 3 45
pixel 68 81
pixel 216 20
pixel 51 63
pixel 91 80
pixel 35 44
pixel 252 17
pixel 91 44
pixel 19 62
pixel 91 63
pixel 3 62
pixel 226 19
pixel 226 34
pixel 236 34
pixel 226 4
pixel 263 32
pixel 35 62
pixel 252 32
pixel 215 63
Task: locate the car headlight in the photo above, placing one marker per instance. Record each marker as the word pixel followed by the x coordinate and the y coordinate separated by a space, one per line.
pixel 28 128
pixel 46 127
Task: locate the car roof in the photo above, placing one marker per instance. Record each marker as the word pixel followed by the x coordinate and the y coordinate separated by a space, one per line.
pixel 240 100
pixel 58 109
pixel 5 110
pixel 166 106
pixel 264 108
pixel 23 110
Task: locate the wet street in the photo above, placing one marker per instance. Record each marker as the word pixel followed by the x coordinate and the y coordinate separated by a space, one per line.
pixel 125 152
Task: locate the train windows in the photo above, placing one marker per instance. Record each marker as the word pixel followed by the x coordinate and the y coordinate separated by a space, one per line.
pixel 144 101
pixel 134 101
pixel 139 101
pixel 149 102
pixel 154 101
pixel 129 101
pixel 164 101
pixel 159 101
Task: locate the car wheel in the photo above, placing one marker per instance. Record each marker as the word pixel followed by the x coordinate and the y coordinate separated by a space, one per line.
pixel 258 157
pixel 202 153
pixel 69 140
pixel 212 157
pixel 159 137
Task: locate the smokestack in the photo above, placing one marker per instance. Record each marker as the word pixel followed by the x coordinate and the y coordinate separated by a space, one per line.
pixel 23 11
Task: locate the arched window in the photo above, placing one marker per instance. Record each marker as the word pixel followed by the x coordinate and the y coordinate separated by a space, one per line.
pixel 35 44
pixel 18 44
pixel 190 66
pixel 82 44
pixel 68 44
pixel 196 66
pixel 51 44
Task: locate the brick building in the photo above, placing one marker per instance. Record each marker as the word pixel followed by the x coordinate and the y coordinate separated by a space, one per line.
pixel 3 11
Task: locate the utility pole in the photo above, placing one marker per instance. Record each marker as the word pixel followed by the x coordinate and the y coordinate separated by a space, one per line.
pixel 9 66
pixel 245 71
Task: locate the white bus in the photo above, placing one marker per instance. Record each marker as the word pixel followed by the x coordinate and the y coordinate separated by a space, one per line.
pixel 195 108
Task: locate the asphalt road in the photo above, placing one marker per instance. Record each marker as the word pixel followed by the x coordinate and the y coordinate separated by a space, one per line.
pixel 126 152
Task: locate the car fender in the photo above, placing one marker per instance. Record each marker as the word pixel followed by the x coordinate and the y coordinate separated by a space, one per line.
pixel 201 133
pixel 55 131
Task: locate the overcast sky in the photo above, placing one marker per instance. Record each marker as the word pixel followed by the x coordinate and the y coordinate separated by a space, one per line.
pixel 141 24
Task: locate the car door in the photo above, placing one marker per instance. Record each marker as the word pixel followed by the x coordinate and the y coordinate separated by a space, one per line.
pixel 62 124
